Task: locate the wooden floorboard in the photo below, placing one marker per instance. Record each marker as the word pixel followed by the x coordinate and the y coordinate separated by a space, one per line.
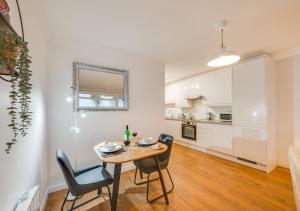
pixel 202 182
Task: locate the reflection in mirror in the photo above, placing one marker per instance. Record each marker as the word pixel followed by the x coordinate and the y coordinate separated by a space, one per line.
pixel 100 88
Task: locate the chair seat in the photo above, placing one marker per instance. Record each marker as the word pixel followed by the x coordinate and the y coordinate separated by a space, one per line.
pixel 91 180
pixel 148 165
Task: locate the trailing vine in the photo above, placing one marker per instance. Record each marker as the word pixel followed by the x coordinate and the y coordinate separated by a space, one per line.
pixel 14 57
pixel 24 88
pixel 13 114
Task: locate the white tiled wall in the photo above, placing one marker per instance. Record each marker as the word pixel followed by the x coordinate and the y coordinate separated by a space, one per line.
pixel 198 110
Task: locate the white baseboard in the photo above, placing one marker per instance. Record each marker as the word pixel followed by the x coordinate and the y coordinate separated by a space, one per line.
pixel 63 185
pixel 57 187
pixel 44 202
pixel 284 165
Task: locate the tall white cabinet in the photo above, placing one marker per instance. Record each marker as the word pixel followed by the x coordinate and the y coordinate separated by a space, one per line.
pixel 254 112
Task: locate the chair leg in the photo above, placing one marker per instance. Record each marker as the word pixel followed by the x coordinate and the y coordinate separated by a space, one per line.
pixel 86 202
pixel 169 191
pixel 72 207
pixel 62 207
pixel 109 194
pixel 141 175
pixel 148 183
pixel 171 181
pixel 135 176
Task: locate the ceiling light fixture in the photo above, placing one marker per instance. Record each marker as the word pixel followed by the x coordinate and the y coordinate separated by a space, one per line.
pixel 224 57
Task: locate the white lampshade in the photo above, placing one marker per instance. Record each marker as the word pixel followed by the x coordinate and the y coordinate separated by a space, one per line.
pixel 225 57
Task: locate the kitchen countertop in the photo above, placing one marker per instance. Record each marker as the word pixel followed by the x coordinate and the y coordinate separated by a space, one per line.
pixel 201 121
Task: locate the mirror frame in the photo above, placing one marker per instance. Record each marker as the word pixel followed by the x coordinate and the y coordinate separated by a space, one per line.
pixel 77 66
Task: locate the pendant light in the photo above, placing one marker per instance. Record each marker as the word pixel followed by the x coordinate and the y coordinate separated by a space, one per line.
pixel 223 57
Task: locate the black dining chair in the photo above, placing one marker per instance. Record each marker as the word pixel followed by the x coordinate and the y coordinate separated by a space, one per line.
pixel 83 181
pixel 148 165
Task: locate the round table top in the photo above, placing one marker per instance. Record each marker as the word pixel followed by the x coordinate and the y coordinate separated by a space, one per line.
pixel 132 153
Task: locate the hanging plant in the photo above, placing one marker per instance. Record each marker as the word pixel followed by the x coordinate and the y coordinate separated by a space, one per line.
pixel 15 60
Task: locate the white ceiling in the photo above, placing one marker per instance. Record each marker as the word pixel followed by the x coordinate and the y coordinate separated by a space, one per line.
pixel 180 33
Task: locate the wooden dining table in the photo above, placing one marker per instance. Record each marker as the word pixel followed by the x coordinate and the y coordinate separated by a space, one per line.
pixel 132 153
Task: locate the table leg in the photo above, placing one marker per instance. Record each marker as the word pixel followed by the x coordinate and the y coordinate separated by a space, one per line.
pixel 161 179
pixel 116 183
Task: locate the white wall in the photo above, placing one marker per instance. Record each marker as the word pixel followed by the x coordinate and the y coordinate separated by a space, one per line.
pixel 285 111
pixel 296 94
pixel 146 102
pixel 26 165
pixel 288 90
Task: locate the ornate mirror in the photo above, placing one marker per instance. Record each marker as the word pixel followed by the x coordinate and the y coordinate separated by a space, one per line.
pixel 99 88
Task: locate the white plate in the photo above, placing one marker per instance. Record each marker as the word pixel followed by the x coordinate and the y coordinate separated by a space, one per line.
pixel 106 150
pixel 149 141
pixel 156 147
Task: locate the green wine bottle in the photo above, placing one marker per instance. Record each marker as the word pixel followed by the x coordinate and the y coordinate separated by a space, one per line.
pixel 127 134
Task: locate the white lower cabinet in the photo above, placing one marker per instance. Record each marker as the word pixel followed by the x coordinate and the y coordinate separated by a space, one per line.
pixel 205 135
pixel 173 128
pixel 214 136
pixel 223 136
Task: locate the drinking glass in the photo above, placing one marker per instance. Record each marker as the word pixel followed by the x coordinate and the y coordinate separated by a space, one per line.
pixel 126 143
pixel 134 134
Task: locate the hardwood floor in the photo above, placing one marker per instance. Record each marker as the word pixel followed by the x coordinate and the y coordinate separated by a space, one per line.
pixel 202 182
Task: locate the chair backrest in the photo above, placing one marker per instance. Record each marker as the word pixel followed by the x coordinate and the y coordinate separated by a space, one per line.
pixel 167 140
pixel 67 170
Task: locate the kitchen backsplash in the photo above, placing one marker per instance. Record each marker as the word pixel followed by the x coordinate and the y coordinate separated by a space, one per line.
pixel 198 111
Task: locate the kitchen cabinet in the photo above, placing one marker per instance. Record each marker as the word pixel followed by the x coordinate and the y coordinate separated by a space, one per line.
pixel 205 135
pixel 254 111
pixel 250 87
pixel 193 86
pixel 223 136
pixel 176 94
pixel 217 87
pixel 214 136
pixel 249 91
pixel 173 128
pixel 171 93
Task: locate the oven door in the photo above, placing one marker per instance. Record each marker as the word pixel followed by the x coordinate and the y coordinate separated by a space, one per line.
pixel 188 131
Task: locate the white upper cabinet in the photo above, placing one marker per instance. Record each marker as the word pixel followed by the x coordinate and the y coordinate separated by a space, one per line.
pixel 169 94
pixel 181 95
pixel 192 87
pixel 176 94
pixel 217 87
pixel 249 94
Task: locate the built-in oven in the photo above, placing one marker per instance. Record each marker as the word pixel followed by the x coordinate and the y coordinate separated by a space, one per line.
pixel 188 130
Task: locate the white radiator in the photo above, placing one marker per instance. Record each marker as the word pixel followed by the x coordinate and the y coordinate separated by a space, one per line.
pixel 294 161
pixel 29 201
